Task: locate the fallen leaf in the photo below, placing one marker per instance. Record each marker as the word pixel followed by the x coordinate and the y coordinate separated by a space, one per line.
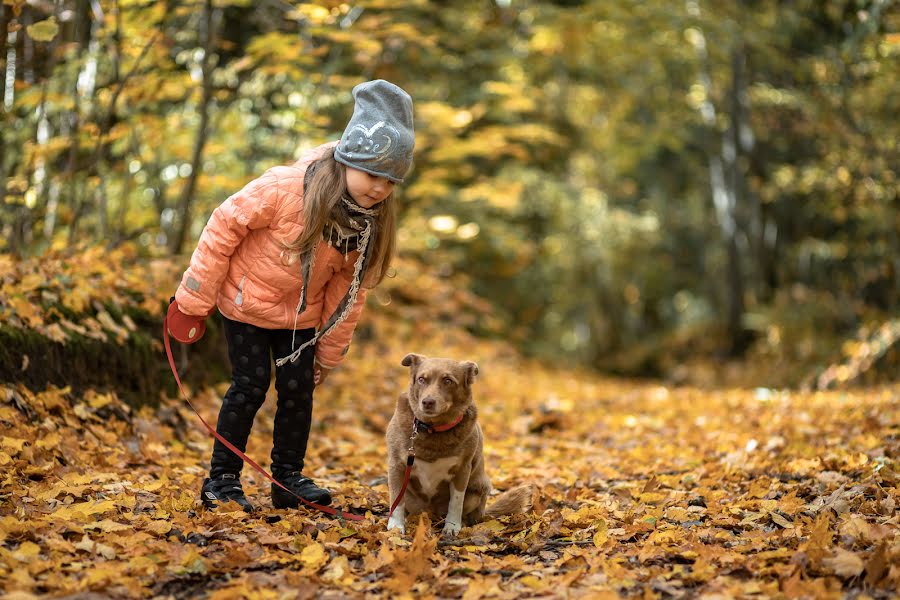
pixel 313 556
pixel 845 563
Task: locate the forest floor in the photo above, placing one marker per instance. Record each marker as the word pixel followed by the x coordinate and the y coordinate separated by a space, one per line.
pixel 641 489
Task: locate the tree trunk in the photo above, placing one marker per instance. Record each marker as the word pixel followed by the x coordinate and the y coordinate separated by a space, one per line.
pixel 108 117
pixel 5 16
pixel 83 34
pixel 121 227
pixel 737 140
pixel 46 189
pixel 187 193
pixel 21 221
pixel 725 179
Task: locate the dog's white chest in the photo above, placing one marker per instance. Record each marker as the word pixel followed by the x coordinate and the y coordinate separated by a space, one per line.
pixel 432 474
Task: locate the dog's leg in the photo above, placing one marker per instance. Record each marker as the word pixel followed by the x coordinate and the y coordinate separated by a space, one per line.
pixel 395 482
pixel 398 519
pixel 457 499
pixel 473 510
pixel 454 514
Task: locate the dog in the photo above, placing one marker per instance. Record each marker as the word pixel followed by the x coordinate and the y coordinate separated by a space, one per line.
pixel 448 475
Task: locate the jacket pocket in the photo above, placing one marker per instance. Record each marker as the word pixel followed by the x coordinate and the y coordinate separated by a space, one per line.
pixel 239 297
pixel 253 299
pixel 245 299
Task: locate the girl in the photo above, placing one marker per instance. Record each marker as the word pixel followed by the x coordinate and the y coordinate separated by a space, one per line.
pixel 287 261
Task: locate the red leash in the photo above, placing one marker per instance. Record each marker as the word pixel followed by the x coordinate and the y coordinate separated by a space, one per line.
pixel 325 509
pixel 409 464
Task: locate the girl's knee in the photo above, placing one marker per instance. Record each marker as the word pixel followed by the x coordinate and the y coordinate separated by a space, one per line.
pixel 246 397
pixel 293 385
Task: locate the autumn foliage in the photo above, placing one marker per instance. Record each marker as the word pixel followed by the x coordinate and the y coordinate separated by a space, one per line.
pixel 643 489
pixel 625 181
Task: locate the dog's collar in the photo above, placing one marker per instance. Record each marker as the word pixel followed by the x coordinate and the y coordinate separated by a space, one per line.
pixel 428 428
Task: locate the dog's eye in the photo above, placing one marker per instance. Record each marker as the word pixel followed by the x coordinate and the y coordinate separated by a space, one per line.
pixel 420 379
pixel 448 381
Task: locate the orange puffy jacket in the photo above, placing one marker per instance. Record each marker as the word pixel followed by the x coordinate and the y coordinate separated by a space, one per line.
pixel 237 264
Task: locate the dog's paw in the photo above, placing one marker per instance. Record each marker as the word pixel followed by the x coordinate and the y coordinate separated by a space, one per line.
pixel 395 523
pixel 451 529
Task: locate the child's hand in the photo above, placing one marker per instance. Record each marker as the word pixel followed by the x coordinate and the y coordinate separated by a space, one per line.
pixel 186 329
pixel 320 374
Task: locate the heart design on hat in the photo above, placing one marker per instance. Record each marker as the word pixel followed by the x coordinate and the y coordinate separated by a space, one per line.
pixel 367 144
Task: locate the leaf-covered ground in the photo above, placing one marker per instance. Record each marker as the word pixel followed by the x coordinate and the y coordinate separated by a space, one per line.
pixel 642 490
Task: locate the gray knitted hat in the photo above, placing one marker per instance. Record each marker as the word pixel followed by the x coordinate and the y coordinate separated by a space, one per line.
pixel 379 138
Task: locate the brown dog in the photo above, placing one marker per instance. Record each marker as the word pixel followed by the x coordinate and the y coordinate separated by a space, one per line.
pixel 448 475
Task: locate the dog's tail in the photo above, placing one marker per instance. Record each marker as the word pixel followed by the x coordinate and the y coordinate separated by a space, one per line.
pixel 511 502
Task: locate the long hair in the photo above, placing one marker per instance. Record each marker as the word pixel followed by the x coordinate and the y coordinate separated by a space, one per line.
pixel 321 195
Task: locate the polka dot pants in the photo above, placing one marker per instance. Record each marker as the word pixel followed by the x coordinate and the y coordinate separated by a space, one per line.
pixel 250 350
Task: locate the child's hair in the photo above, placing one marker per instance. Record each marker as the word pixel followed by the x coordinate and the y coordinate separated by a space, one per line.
pixel 323 191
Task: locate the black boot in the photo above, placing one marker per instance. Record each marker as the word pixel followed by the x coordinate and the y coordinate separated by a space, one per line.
pixel 222 489
pixel 303 487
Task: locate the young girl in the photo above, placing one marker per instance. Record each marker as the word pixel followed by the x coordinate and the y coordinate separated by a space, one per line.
pixel 287 261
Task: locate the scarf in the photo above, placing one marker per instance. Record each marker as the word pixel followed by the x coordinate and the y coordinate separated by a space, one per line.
pixel 351 227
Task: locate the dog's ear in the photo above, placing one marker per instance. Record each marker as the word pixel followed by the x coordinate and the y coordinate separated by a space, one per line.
pixel 412 360
pixel 471 370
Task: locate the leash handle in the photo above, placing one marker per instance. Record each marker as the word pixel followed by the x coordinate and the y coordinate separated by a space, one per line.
pixel 325 509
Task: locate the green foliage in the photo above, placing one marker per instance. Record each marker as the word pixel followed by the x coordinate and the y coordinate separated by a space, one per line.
pixel 564 155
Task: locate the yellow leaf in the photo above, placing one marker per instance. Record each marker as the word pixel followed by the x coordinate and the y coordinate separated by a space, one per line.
pixel 663 537
pixel 602 533
pixel 43 31
pixel 101 574
pixel 26 311
pixel 110 325
pixel 107 526
pixel 651 498
pixel 100 400
pixel 313 556
pixel 156 485
pixel 82 511
pixel 54 398
pixel 30 282
pixel 159 527
pixel 50 440
pixel 676 513
pixel 527 535
pixel 82 412
pixel 492 526
pixel 89 545
pixel 193 563
pixel 779 520
pixel 142 565
pixel 183 503
pixel 584 515
pixel 480 587
pixel 338 572
pixel 26 552
pixel 372 562
pixel 14 444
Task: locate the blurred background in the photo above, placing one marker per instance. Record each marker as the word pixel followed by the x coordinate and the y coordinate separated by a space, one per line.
pixel 695 190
